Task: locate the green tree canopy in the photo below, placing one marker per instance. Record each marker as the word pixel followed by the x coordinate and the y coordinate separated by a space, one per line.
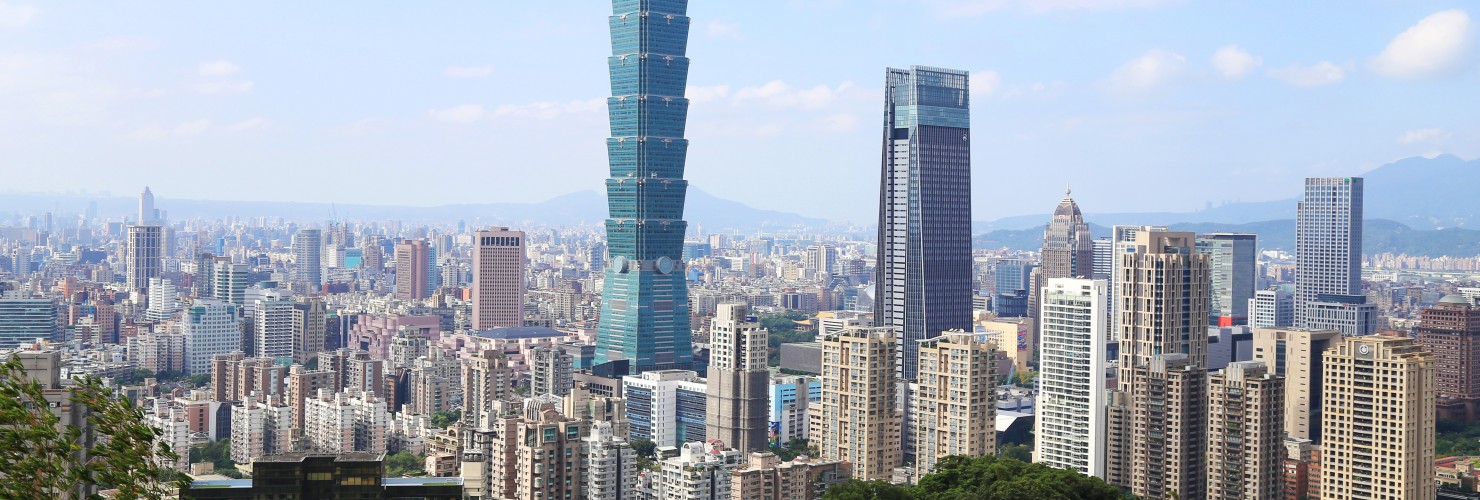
pixel 405 464
pixel 984 478
pixel 40 453
pixel 867 490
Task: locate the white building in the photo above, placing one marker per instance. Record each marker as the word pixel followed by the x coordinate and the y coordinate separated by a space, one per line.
pixel 662 404
pixel 210 327
pixel 1070 423
pixel 157 351
pixel 697 473
pixel 1272 308
pixel 611 465
pixel 791 398
pixel 272 321
pixel 171 428
pixel 345 421
pixel 164 300
pixel 259 429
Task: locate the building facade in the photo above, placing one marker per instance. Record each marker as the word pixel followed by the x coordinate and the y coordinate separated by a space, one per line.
pixel 211 327
pixel 1328 241
pixel 666 407
pixel 644 305
pixel 1233 260
pixel 1377 419
pixel 498 279
pixel 308 251
pixel 1297 354
pixel 1245 432
pixel 1070 423
pixel 738 380
pixel 857 419
pixel 413 259
pixel 1272 308
pixel 955 409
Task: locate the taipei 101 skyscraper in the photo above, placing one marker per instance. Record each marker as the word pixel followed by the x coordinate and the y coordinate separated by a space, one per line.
pixel 644 301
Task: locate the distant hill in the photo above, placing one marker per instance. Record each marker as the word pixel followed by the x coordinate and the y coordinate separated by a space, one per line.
pixel 581 207
pixel 1422 193
pixel 1378 236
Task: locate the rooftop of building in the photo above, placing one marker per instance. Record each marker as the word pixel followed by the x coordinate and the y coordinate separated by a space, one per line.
pixel 518 332
pixel 355 456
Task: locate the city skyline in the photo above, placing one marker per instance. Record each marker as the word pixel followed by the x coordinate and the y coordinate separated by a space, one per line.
pixel 148 104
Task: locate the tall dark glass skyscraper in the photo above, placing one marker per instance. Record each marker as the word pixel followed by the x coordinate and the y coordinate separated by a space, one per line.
pixel 644 305
pixel 924 260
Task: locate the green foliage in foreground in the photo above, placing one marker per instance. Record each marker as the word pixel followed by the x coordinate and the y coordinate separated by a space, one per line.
pixel 40 455
pixel 1455 439
pixel 984 478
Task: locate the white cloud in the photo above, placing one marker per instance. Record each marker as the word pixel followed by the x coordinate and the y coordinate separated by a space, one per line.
pixel 253 123
pixel 468 71
pixel 841 122
pixel 1235 62
pixel 546 110
pixel 777 93
pixel 155 132
pixel 1152 70
pixel 716 29
pixel 1315 75
pixel 17 15
pixel 124 44
pixel 217 68
pixel 1423 135
pixel 708 93
pixel 984 83
pixel 223 87
pixel 466 113
pixel 1435 46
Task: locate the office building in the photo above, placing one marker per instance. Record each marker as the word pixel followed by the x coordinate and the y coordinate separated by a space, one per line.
pixel 1297 355
pixel 1104 257
pixel 1014 338
pixel 1272 308
pixel 486 379
pixel 1011 274
pixel 738 380
pixel 857 420
pixel 308 249
pixel 1328 242
pixel 148 215
pixel 307 476
pixel 1068 250
pixel 955 408
pixel 164 301
pixel 498 279
pixel 1450 331
pixel 229 281
pixel 645 301
pixel 1233 258
pixel 766 477
pixel 924 247
pixel 310 325
pixel 25 320
pixel 1377 419
pixel 1350 314
pixel 412 261
pixel 666 407
pixel 1245 432
pixel 1155 418
pixel 143 259
pixel 550 371
pixel 792 398
pixel 1070 423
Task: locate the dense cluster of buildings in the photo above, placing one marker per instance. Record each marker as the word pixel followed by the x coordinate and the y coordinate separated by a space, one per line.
pixel 632 361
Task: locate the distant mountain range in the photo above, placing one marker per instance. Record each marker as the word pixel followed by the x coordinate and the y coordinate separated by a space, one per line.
pixel 1378 236
pixel 581 207
pixel 1421 193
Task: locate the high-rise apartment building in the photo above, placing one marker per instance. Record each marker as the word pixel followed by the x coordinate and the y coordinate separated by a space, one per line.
pixel 235 377
pixel 699 472
pixel 1450 330
pixel 738 380
pixel 1328 241
pixel 1156 416
pixel 857 420
pixel 211 327
pixel 955 409
pixel 1068 250
pixel 272 325
pixel 550 371
pixel 486 379
pixel 1377 419
pixel 766 477
pixel 346 421
pixel 645 302
pixel 260 428
pixel 498 279
pixel 1070 423
pixel 1272 308
pixel 143 258
pixel 611 464
pixel 308 249
pixel 1245 432
pixel 309 328
pixel 412 261
pixel 1297 354
pixel 1233 258
pixel 924 262
pixel 164 301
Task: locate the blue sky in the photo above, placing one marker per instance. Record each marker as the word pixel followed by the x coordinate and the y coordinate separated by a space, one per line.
pixel 430 103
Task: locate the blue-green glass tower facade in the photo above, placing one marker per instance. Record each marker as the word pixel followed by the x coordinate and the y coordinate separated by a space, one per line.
pixel 644 306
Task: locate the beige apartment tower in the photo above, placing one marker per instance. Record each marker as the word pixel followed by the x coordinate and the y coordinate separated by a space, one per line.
pixel 1246 449
pixel 857 420
pixel 1296 354
pixel 738 382
pixel 1155 419
pixel 498 279
pixel 1377 419
pixel 956 404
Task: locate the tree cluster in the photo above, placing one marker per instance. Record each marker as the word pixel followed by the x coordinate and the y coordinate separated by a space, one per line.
pixel 443 419
pixel 984 478
pixel 781 328
pixel 404 464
